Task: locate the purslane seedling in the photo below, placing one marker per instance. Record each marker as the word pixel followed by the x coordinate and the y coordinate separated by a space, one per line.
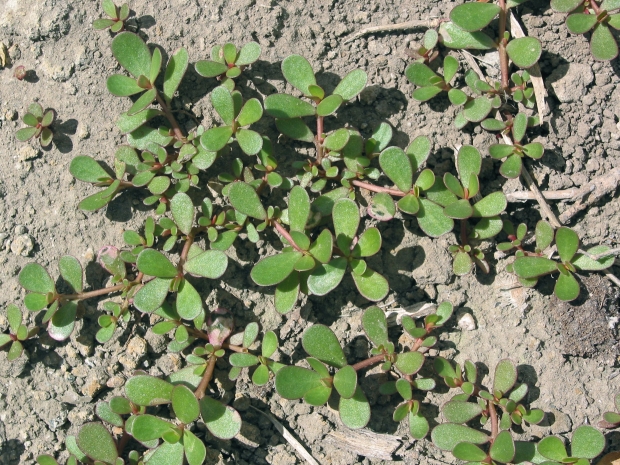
pixel 325 224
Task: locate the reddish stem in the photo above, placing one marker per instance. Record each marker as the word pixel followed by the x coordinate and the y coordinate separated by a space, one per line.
pixel 595 7
pixel 503 55
pixel 239 349
pixel 368 362
pixel 100 292
pixel 494 421
pixel 206 378
pixel 173 122
pixel 188 243
pixel 284 233
pixel 373 188
pixel 319 138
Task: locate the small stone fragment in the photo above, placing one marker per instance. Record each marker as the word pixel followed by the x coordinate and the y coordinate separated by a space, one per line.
pixel 22 245
pixel 466 321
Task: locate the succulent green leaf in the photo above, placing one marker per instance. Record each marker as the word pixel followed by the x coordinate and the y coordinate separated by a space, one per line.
pixel 195 450
pixel 462 264
pixel 583 262
pixel 14 317
pixel 469 452
pixel 552 448
pixel 71 271
pixel 409 204
pixel 511 167
pixel 248 54
pixel 150 297
pixel 184 404
pixel 477 109
pixel 129 123
pixel 147 390
pixel 420 75
pixel 35 302
pixel 519 126
pixel 351 85
pixel 215 139
pixel 15 351
pixel 222 101
pixel 336 140
pixel 355 412
pixel 243 360
pixel 566 287
pixel 326 277
pixel 544 235
pixel 409 363
pixel 534 416
pixel 457 97
pixel 120 405
pixel 460 412
pixel 565 6
pixel 345 381
pixel 567 242
pixel 491 124
pixel 461 209
pixel 534 150
pixel 62 323
pixel 418 151
pixel 294 382
pixel 25 134
pixel 487 228
pixel 149 427
pixel 374 323
pixel 524 52
pixel 432 220
pixel 97 443
pixel 189 302
pixel 34 278
pixel 132 53
pixel 397 166
pixel 450 67
pixel 474 16
pixel 209 264
pixel 610 5
pixel 505 376
pixel 167 453
pixel 580 23
pixel 346 219
pixel 153 263
pixel 321 249
pixel 587 442
pixel 503 448
pixel 329 105
pixel 447 436
pixel 491 205
pixel 123 86
pixel 46 460
pixel 298 72
pixel 287 106
pixel 142 137
pixel 371 285
pixel 299 209
pixel 455 37
pixel 381 207
pixel 274 269
pixel 250 141
pixel 244 199
pixel 423 94
pixel 603 45
pixel 177 66
pixel 369 243
pixel 208 68
pixel 320 342
pixel 251 112
pixel 532 267
pixel 182 210
pixel 295 128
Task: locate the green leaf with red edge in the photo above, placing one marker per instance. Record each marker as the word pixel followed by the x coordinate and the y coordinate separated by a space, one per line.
pixel 184 404
pixel 320 342
pixel 565 6
pixel 474 16
pixel 505 376
pixel 298 72
pixel 580 23
pixel 409 363
pixel 132 53
pixel 148 390
pixel 195 450
pixel 345 381
pixel 293 382
pixel 583 262
pixel 374 323
pixel 26 134
pixel 33 277
pixel 603 45
pixel 97 443
pixel 351 85
pixel 469 452
pixel 567 242
pixel 566 287
pixel 368 244
pixel 62 323
pixel 447 436
pixel 208 68
pixel 503 448
pixel 248 54
pixel 244 199
pixel 524 52
pixel 355 411
pixel 397 166
pixel 166 454
pixel 420 75
pixel 371 285
pixel 460 412
pixel 346 220
pixel 326 277
pixel 175 70
pixel 544 234
pixel 552 448
pixel 455 37
pixel 274 269
pixel 532 267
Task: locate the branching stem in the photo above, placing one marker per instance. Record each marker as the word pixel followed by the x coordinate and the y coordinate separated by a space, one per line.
pixel 373 188
pixel 206 378
pixel 368 362
pixel 100 292
pixel 284 233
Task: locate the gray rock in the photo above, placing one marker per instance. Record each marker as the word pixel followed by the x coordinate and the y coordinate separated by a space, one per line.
pixel 22 245
pixel 569 81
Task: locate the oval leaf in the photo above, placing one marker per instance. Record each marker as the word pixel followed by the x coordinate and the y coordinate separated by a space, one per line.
pixel 244 199
pixel 355 412
pixel 97 443
pixel 320 342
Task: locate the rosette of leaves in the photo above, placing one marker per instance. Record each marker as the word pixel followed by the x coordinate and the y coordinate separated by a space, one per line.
pixel 586 444
pixel 513 154
pixel 465 31
pixel 38 123
pixel 237 116
pixel 457 202
pixel 116 17
pixel 374 323
pixel 514 236
pixel 87 169
pixel 18 333
pixel 264 364
pixel 42 294
pixel 352 249
pixel 108 322
pixel 581 20
pixel 289 110
pixel 428 81
pixel 400 167
pixel 463 441
pixel 315 384
pixel 426 52
pixel 530 267
pixel 227 62
pixel 611 419
pixel 521 92
pixel 133 54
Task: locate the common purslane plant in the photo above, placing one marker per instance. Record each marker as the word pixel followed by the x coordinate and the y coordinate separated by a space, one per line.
pixel 318 217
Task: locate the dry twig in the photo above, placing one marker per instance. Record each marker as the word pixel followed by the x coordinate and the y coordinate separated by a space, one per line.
pixel 415 24
pixel 592 192
pixel 365 442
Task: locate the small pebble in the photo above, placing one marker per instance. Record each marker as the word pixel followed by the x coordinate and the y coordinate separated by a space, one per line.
pixel 22 245
pixel 466 322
